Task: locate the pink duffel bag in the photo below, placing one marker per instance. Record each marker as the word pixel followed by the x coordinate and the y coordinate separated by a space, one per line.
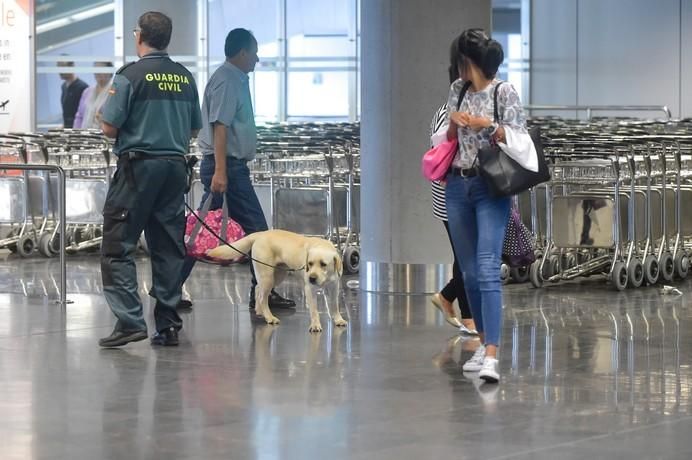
pixel 437 160
pixel 199 240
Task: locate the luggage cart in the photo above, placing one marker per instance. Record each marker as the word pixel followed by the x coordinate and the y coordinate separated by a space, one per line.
pixel 312 173
pixel 570 214
pixel 85 157
pixel 23 214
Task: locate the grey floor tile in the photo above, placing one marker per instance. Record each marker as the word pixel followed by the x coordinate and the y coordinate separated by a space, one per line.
pixel 587 373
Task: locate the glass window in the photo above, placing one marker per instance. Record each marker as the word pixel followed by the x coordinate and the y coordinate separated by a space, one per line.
pixel 321 58
pixel 76 31
pixel 318 94
pixel 308 50
pixel 511 29
pixel 265 89
pixel 261 17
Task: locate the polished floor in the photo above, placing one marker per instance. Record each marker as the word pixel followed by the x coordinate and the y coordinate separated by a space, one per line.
pixel 588 373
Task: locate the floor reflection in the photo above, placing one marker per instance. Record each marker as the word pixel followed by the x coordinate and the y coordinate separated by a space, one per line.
pixel 578 361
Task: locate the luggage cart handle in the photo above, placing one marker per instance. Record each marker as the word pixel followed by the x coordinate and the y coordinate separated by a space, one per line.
pixel 589 109
pixel 61 224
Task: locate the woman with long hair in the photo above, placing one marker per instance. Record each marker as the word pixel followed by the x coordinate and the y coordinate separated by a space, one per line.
pixel 477 219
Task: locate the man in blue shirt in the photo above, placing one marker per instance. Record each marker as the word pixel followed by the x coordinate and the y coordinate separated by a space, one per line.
pixel 152 110
pixel 228 140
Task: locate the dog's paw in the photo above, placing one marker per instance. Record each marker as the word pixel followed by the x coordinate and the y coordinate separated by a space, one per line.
pixel 315 327
pixel 340 322
pixel 271 319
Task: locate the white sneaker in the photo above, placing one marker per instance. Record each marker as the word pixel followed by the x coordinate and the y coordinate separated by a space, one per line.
pixel 490 371
pixel 475 364
pixel 465 330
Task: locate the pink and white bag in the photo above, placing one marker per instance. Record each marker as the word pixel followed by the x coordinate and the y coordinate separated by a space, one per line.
pixel 199 240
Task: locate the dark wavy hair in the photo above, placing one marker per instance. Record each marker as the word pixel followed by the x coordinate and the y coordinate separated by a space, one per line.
pixel 453 62
pixel 155 29
pixel 476 46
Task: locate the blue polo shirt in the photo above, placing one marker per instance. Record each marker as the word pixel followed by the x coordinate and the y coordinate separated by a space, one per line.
pixel 227 100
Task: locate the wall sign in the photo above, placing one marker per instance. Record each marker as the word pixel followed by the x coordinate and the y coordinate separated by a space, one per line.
pixel 15 65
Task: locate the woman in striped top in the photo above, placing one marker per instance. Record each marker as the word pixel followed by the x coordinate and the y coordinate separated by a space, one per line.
pixel 444 300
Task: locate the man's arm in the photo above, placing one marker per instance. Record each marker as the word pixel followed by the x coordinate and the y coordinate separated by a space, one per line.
pixel 109 131
pixel 219 181
pixel 223 103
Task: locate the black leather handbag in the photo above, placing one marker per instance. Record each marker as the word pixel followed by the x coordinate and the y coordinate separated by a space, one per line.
pixel 505 176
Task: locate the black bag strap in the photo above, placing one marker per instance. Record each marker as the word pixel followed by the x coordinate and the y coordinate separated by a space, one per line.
pixel 465 89
pixel 496 115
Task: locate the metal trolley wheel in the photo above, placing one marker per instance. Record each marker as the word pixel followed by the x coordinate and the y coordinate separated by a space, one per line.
pixel 351 260
pixel 535 275
pixel 26 245
pixel 651 269
pixel 45 246
pixel 635 273
pixel 520 274
pixel 667 267
pixel 619 276
pixel 55 244
pixel 682 264
pixel 504 273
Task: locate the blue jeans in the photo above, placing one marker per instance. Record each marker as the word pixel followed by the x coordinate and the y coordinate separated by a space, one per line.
pixel 477 222
pixel 243 205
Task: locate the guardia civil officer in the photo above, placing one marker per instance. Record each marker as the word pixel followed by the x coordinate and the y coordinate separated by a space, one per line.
pixel 152 111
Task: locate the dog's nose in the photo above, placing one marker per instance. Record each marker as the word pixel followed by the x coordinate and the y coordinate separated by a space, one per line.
pixel 313 280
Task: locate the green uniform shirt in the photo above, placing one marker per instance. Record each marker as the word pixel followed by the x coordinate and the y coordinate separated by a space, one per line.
pixel 155 106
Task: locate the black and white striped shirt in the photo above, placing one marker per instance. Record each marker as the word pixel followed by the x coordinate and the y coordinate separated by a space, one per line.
pixel 439 206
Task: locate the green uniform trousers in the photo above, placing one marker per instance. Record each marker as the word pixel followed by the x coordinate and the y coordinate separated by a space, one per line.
pixel 145 194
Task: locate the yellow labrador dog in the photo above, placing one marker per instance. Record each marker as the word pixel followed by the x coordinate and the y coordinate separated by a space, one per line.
pixel 317 257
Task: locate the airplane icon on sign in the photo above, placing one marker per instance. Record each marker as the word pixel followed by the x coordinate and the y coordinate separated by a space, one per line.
pixel 4 104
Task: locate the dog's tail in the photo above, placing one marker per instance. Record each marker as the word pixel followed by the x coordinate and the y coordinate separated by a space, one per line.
pixel 243 246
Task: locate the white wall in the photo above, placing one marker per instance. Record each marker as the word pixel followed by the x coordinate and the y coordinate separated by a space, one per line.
pixel 612 52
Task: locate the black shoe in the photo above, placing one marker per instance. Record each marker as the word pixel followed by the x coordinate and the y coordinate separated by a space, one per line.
pixel 119 338
pixel 184 305
pixel 167 338
pixel 275 301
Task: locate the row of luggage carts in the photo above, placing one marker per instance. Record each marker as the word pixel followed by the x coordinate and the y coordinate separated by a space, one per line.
pixel 309 171
pixel 29 200
pixel 312 173
pixel 615 204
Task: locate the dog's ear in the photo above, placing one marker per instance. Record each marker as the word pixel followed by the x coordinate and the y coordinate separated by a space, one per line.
pixel 338 265
pixel 307 258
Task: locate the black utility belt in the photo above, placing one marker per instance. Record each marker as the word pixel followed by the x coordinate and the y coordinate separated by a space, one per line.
pixel 137 155
pixel 468 172
pixel 126 158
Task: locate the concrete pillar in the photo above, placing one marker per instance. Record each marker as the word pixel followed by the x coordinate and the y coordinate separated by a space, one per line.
pixel 405 55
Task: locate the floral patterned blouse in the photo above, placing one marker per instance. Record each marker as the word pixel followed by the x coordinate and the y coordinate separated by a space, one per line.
pixel 480 104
